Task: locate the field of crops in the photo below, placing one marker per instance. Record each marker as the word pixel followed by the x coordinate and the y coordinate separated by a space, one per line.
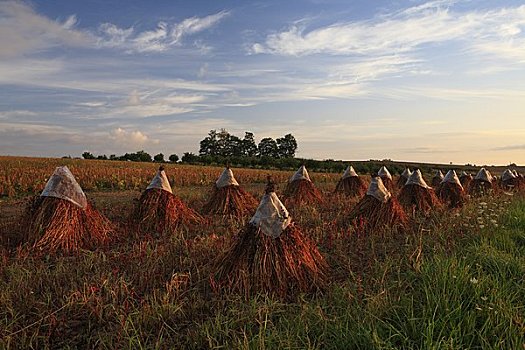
pixel 454 280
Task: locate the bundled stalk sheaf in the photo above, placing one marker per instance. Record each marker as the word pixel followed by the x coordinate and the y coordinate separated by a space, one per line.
pixel 436 180
pixel 351 184
pixel 417 196
pixel 159 211
pixel 61 220
pixel 378 209
pixel 228 198
pixel 271 255
pixel 510 181
pixel 386 178
pixel 403 178
pixel 451 192
pixel 465 179
pixel 482 183
pixel 301 190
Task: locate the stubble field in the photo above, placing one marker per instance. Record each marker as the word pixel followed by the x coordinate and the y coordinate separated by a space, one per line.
pixel 454 280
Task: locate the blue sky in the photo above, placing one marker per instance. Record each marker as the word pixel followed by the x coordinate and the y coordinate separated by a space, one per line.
pixel 435 81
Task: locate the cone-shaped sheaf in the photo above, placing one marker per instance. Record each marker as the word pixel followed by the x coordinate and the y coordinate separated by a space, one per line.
pixel 383 172
pixel 451 177
pixel 417 179
pixel 406 173
pixel 349 172
pixel 378 190
pixel 507 175
pixel 62 184
pixel 271 216
pixel 483 175
pixel 301 174
pixel 160 181
pixel 226 179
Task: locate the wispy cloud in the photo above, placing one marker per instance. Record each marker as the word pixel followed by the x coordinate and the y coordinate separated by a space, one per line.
pixel 24 31
pixel 163 37
pixel 510 148
pixel 496 32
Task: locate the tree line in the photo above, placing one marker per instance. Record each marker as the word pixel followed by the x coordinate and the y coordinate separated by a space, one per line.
pixel 222 143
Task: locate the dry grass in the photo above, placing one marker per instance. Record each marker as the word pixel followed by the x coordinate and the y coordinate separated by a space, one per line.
pixel 230 201
pixel 52 225
pixel 282 266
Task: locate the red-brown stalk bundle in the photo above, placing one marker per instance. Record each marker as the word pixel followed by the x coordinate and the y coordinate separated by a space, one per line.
pixel 282 266
pixel 436 181
pixel 514 184
pixel 480 187
pixel 161 212
pixel 375 215
pixel 54 225
pixel 401 181
pixel 415 198
pixel 230 200
pixel 452 194
pixel 302 192
pixel 465 181
pixel 389 184
pixel 353 186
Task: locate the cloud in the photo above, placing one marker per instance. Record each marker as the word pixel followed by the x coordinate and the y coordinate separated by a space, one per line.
pixel 129 138
pixel 13 114
pixel 496 32
pixel 510 148
pixel 24 31
pixel 162 38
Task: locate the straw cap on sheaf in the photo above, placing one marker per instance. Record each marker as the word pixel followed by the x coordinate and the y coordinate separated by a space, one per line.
pixel 378 190
pixel 349 172
pixel 483 175
pixel 508 175
pixel 451 177
pixel 383 172
pixel 226 179
pixel 160 181
pixel 271 216
pixel 417 179
pixel 62 184
pixel 300 174
pixel 406 173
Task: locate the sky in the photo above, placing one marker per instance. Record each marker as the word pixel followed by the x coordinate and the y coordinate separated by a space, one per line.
pixel 432 81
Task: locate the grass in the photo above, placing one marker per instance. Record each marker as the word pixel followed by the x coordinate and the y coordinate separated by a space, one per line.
pixel 455 281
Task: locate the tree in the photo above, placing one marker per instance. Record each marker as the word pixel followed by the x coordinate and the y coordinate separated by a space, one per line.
pixel 287 146
pixel 189 157
pixel 102 157
pixel 174 158
pixel 208 146
pixel 268 147
pixel 159 158
pixel 249 148
pixel 88 155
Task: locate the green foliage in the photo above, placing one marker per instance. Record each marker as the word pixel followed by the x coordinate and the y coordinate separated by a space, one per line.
pixel 159 158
